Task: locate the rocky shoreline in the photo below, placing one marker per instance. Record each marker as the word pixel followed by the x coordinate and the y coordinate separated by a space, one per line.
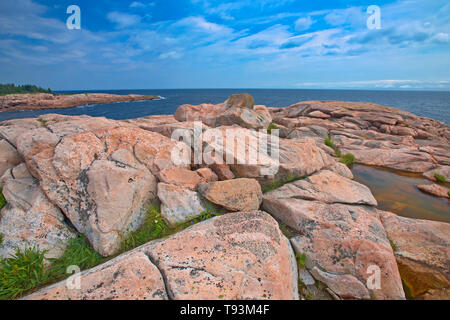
pixel 40 101
pixel 305 230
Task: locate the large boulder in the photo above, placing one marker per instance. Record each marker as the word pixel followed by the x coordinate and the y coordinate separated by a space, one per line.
pixel 239 109
pixel 244 151
pixel 234 195
pixel 179 204
pixel 422 250
pixel 238 256
pixel 30 220
pixel 131 276
pixel 343 246
pixel 102 179
pixel 327 187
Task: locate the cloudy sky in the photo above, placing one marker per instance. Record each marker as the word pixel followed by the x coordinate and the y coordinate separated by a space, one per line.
pixel 226 44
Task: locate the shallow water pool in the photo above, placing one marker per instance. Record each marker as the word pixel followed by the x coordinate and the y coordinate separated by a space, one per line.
pixel 397 192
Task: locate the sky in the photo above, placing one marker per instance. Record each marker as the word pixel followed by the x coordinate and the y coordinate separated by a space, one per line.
pixel 173 44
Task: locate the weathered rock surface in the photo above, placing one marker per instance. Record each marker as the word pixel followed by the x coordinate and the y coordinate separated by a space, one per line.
pixel 9 157
pixel 181 177
pixel 50 101
pixel 422 250
pixel 207 174
pixel 102 178
pixel 280 160
pixel 342 242
pixel 238 109
pixel 30 220
pixel 239 255
pixel 131 276
pixel 327 187
pixel 443 171
pixel 234 195
pixel 435 190
pixel 179 204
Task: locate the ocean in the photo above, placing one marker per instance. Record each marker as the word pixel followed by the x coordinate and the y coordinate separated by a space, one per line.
pixel 431 104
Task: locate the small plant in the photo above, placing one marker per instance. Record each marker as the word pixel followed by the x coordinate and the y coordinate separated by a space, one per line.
pixel 271 127
pixel 154 227
pixel 279 183
pixel 2 199
pixel 78 253
pixel 439 178
pixel 329 142
pixel 43 122
pixel 301 259
pixel 348 159
pixel 1 239
pixel 393 245
pixel 21 272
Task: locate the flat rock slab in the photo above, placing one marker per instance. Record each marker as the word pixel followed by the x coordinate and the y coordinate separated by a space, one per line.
pixel 131 276
pixel 343 242
pixel 240 255
pixel 422 250
pixel 234 195
pixel 325 186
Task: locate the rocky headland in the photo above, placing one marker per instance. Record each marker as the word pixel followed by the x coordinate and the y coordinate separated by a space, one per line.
pixel 39 101
pixel 239 231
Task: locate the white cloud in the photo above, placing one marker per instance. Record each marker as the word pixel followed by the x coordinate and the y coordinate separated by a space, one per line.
pixel 123 20
pixel 303 23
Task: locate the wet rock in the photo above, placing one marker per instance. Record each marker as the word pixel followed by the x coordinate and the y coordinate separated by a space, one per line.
pixel 179 204
pixel 327 187
pixel 343 242
pixel 422 250
pixel 435 190
pixel 234 195
pixel 30 220
pixel 131 276
pixel 237 256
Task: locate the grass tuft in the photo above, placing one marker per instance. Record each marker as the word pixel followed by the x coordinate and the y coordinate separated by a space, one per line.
pixel 22 272
pixel 440 178
pixel 329 143
pixel 78 253
pixel 279 183
pixel 348 159
pixel 272 126
pixel 2 199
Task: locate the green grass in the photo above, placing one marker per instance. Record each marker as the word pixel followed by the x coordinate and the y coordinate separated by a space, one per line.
pixel 2 199
pixel 1 238
pixel 43 122
pixel 301 259
pixel 329 143
pixel 348 159
pixel 393 245
pixel 439 178
pixel 154 227
pixel 78 253
pixel 271 127
pixel 22 272
pixel 279 183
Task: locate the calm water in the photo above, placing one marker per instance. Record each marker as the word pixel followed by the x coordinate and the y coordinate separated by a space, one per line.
pixel 435 105
pixel 397 193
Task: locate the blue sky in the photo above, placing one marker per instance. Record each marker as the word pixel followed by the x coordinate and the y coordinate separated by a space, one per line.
pixel 226 44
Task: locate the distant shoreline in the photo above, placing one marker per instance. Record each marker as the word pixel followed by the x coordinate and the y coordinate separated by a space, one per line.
pixel 41 101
